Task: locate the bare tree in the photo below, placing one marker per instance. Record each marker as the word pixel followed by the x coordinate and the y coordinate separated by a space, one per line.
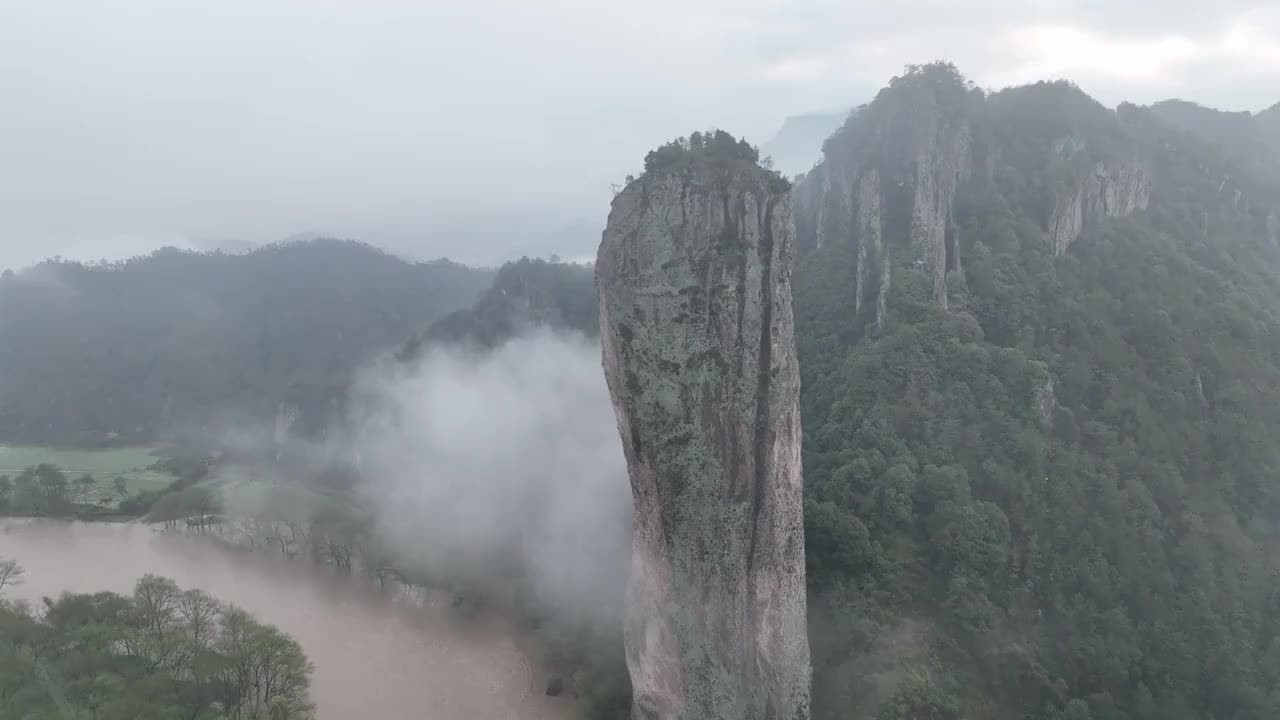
pixel 10 574
pixel 85 484
pixel 199 611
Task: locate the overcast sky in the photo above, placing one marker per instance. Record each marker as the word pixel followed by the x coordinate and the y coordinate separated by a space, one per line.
pixel 484 129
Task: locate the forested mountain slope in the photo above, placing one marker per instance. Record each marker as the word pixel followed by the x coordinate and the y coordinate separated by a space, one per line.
pixel 1057 495
pixel 1040 352
pixel 1040 346
pixel 525 293
pixel 131 351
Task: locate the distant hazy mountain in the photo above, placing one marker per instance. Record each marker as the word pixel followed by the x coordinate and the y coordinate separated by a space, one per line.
pixel 1248 139
pixel 525 294
pixel 798 145
pixel 132 350
pixel 1268 122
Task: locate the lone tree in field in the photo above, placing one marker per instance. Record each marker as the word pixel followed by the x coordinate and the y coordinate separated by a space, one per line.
pixel 121 487
pixel 10 574
pixel 85 485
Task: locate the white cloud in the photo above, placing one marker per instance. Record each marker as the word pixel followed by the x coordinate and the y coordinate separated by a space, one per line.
pixel 1056 51
pixel 1145 67
pixel 513 455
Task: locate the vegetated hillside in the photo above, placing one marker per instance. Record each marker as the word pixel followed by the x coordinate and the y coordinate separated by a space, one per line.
pixel 1041 387
pixel 139 349
pixel 1250 141
pixel 162 652
pixel 1269 121
pixel 1057 497
pixel 525 293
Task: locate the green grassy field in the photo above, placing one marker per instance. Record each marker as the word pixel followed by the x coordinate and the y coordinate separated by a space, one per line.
pixel 104 465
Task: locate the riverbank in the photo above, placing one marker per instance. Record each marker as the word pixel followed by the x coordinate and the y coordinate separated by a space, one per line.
pixel 399 652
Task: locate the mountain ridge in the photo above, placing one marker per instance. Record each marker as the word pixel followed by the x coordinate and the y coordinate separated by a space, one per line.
pixel 133 350
pixel 1053 498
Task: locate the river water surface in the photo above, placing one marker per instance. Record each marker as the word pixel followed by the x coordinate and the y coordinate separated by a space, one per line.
pixel 373 658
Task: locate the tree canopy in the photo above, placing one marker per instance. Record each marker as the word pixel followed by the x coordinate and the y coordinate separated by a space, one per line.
pixel 526 293
pixel 1058 498
pixel 714 151
pixel 134 350
pixel 160 654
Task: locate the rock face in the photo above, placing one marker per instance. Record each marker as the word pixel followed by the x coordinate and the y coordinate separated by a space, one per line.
pixel 888 186
pixel 1045 401
pixel 891 177
pixel 696 329
pixel 1106 190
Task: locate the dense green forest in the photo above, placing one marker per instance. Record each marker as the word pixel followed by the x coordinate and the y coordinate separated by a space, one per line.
pixel 1056 499
pixel 524 294
pixel 159 654
pixel 136 350
pixel 1059 498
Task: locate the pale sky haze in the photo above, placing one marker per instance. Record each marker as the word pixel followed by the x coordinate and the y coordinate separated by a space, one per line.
pixel 488 129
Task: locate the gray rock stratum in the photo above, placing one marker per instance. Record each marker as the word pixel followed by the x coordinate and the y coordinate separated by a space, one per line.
pixel 891 179
pixel 696 327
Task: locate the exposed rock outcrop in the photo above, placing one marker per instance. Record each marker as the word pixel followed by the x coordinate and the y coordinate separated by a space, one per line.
pixel 873 271
pixel 943 160
pixel 1108 189
pixel 891 177
pixel 1045 401
pixel 696 328
pixel 888 185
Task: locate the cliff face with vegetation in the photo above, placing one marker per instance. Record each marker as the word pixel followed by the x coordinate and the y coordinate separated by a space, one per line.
pixel 893 171
pixel 1055 499
pixel 891 178
pixel 525 294
pixel 138 350
pixel 1054 496
pixel 1103 189
pixel 696 327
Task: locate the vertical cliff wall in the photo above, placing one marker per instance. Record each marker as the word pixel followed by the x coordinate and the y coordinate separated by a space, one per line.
pixel 887 186
pixel 696 327
pixel 892 177
pixel 1103 189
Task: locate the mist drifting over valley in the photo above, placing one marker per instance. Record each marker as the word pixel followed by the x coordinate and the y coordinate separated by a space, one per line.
pixel 910 361
pixel 481 464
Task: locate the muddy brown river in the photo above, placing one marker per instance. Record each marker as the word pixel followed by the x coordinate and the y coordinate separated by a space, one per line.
pixel 373 658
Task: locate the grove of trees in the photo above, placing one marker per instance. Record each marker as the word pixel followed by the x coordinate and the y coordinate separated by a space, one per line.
pixel 525 293
pixel 162 653
pixel 1059 498
pixel 144 349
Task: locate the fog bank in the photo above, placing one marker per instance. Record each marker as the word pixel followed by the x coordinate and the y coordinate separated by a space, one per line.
pixel 491 467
